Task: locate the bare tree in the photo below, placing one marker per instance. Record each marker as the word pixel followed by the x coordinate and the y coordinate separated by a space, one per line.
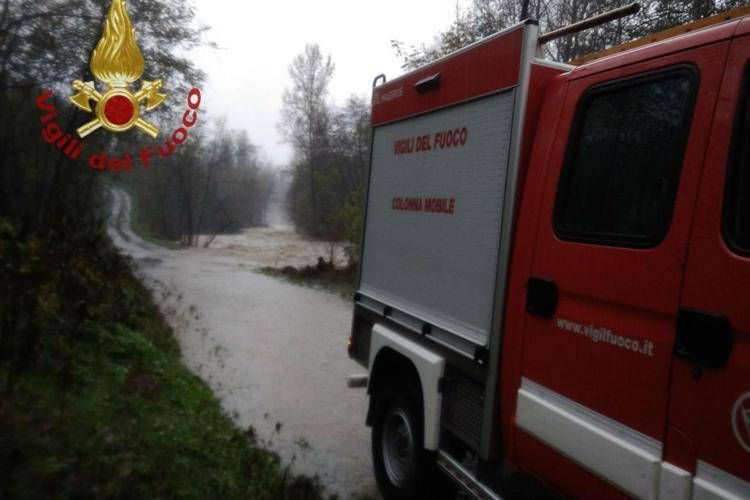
pixel 305 118
pixel 215 183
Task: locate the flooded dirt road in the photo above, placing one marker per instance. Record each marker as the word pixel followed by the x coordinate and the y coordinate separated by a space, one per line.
pixel 273 352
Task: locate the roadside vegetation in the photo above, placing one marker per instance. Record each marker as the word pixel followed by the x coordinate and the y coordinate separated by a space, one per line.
pixel 217 184
pixel 139 222
pixel 330 145
pixel 331 148
pixel 94 399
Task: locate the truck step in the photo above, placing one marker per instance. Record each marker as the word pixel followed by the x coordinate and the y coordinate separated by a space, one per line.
pixel 464 478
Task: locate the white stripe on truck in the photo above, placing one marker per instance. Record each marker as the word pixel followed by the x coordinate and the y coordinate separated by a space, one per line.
pixel 621 455
pixel 712 483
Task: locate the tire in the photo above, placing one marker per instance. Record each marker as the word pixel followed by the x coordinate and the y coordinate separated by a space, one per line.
pixel 404 470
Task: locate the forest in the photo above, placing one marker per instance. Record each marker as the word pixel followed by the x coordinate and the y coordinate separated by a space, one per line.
pixel 95 400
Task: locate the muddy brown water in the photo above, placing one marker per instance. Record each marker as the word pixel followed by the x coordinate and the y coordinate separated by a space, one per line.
pixel 273 352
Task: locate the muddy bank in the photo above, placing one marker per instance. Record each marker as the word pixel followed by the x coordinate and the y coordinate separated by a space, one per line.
pixel 323 275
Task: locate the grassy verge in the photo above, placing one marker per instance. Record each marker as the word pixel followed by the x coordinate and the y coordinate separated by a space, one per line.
pixel 139 227
pixel 323 276
pixel 94 399
pixel 142 232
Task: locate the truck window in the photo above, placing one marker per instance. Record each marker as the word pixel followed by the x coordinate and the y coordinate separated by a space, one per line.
pixel 737 199
pixel 624 158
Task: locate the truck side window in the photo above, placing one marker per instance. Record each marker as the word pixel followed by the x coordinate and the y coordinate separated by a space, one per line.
pixel 737 198
pixel 624 158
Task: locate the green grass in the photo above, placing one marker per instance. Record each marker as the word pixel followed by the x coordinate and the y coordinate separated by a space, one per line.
pixel 104 408
pixel 142 232
pixel 134 424
pixel 138 225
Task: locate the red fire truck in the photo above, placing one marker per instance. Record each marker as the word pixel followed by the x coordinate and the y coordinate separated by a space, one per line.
pixel 555 274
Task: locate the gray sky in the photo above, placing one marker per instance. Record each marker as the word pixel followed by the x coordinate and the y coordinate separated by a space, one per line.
pixel 258 40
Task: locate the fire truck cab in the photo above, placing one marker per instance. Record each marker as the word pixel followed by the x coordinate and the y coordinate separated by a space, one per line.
pixel 555 269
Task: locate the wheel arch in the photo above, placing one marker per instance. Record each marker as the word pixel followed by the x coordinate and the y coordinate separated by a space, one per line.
pixel 396 359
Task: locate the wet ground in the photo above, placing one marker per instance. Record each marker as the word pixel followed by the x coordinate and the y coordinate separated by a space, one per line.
pixel 273 352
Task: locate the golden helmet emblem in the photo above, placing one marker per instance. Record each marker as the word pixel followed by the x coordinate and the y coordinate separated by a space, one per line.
pixel 118 62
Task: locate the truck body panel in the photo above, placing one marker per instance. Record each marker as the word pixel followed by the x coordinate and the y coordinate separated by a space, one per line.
pixel 713 408
pixel 464 75
pixel 609 345
pixel 434 214
pixel 440 191
pixel 598 297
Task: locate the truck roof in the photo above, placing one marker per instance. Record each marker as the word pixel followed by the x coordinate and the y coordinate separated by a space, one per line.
pixel 468 69
pixel 506 43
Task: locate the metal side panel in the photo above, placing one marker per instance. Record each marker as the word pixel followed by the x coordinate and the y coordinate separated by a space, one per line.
pixel 440 266
pixel 430 368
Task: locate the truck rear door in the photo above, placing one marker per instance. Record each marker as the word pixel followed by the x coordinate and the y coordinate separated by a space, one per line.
pixel 603 295
pixel 709 414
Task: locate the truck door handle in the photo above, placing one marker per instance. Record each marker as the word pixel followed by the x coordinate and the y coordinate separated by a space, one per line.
pixel 703 338
pixel 541 297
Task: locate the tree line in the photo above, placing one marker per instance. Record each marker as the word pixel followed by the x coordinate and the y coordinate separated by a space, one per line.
pixel 330 146
pixel 53 209
pixel 46 46
pixel 484 17
pixel 216 183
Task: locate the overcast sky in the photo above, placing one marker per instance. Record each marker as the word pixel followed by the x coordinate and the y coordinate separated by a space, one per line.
pixel 258 40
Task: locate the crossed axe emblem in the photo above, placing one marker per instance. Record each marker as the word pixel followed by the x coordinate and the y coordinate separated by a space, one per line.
pixel 118 110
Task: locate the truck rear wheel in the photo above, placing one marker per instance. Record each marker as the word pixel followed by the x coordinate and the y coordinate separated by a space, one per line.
pixel 403 468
